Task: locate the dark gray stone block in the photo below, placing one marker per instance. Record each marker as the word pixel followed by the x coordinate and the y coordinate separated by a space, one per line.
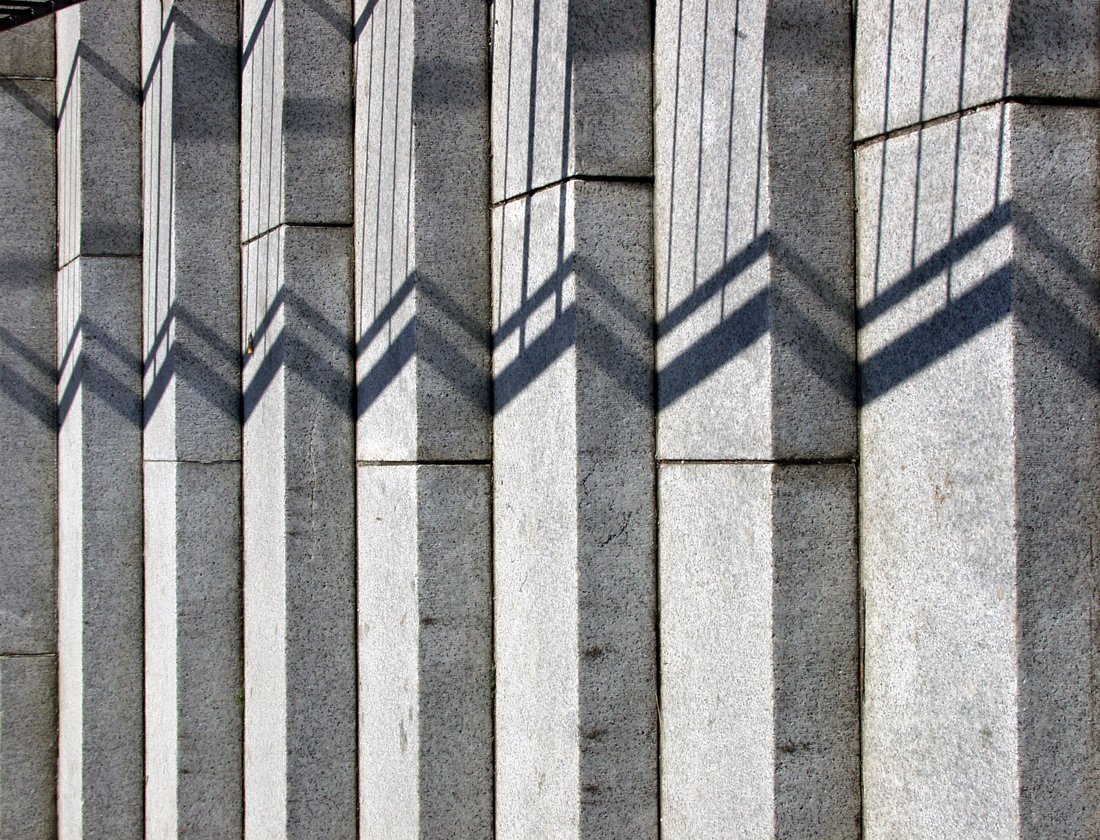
pixel 296 114
pixel 425 651
pixel 28 340
pixel 759 651
pixel 572 92
pixel 422 233
pixel 299 535
pixel 100 587
pixel 574 534
pixel 28 746
pixel 753 214
pixel 919 61
pixel 978 320
pixel 99 129
pixel 28 50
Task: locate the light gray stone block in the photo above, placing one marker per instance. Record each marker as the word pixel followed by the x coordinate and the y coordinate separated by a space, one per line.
pixel 193 665
pixel 28 329
pixel 28 50
pixel 918 61
pixel 28 746
pixel 572 92
pixel 100 663
pixel 576 710
pixel 425 651
pixel 753 213
pixel 759 651
pixel 296 114
pixel 299 535
pixel 978 256
pixel 191 247
pixel 422 234
pixel 99 129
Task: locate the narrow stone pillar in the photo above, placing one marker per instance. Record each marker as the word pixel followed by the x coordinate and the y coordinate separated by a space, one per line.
pixel 192 442
pixel 100 587
pixel 298 450
pixel 978 176
pixel 756 432
pixel 573 457
pixel 422 313
pixel 28 434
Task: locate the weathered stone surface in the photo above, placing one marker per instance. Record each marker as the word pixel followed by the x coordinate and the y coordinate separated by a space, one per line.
pixel 28 746
pixel 916 61
pixel 100 662
pixel 28 50
pixel 574 533
pixel 759 651
pixel 978 316
pixel 191 249
pixel 193 649
pixel 572 92
pixel 99 129
pixel 28 329
pixel 296 114
pixel 425 651
pixel 299 535
pixel 422 234
pixel 753 216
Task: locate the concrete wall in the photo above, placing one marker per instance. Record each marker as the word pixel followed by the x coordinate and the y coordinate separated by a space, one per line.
pixel 550 419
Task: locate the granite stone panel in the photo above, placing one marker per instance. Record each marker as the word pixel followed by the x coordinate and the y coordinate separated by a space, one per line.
pixel 28 50
pixel 753 207
pixel 574 532
pixel 193 657
pixel 572 92
pixel 28 746
pixel 918 61
pixel 978 322
pixel 422 233
pixel 100 580
pixel 296 114
pixel 299 534
pixel 28 405
pixel 99 93
pixel 425 651
pixel 759 651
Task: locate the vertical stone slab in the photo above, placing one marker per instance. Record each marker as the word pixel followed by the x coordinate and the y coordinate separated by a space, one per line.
pixel 574 529
pixel 425 641
pixel 978 348
pixel 760 700
pixel 28 734
pixel 100 662
pixel 918 61
pixel 422 314
pixel 298 456
pixel 192 420
pixel 28 415
pixel 299 544
pixel 753 201
pixel 572 92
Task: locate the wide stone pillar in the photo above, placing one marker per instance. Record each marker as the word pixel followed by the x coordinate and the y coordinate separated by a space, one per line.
pixel 192 442
pixel 298 443
pixel 100 587
pixel 423 437
pixel 756 432
pixel 28 434
pixel 574 485
pixel 978 255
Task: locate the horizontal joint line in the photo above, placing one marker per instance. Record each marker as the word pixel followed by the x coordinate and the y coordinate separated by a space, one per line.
pixel 594 179
pixel 281 225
